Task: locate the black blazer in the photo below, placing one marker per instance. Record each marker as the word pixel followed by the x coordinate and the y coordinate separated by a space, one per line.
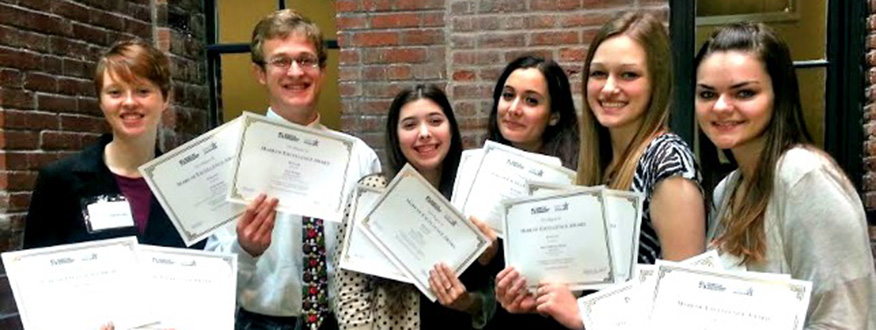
pixel 55 215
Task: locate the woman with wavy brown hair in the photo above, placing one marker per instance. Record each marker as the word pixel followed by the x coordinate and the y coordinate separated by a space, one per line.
pixel 788 208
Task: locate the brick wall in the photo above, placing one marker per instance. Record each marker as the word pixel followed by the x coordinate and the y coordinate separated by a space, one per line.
pixel 48 107
pixel 869 115
pixel 461 45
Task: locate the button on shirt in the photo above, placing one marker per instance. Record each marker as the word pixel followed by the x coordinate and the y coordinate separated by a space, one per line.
pixel 271 283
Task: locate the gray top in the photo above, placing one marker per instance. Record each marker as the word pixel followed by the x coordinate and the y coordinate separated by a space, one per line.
pixel 816 230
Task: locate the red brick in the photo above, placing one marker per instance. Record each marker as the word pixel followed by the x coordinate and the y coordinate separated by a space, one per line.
pixel 16 99
pixel 18 180
pixel 501 6
pixel 395 55
pixel 138 28
pixel 462 8
pixel 19 139
pixel 576 54
pixel 464 57
pixel 490 74
pixel 22 39
pixel 69 48
pixel 54 103
pixel 374 73
pixel 349 89
pixel 515 54
pixel 465 109
pixel 554 38
pixel 432 19
pixel 76 68
pixel 107 20
pixel 90 34
pixel 386 90
pixel 464 75
pixel 351 22
pixel 501 40
pixel 18 201
pixel 53 64
pixel 349 73
pixel 463 42
pixel 469 92
pixel 10 78
pixel 140 12
pixel 463 24
pixel 372 39
pixel 19 59
pixel 383 21
pixel 554 5
pixel 399 72
pixel 429 71
pixel 88 106
pixel 348 56
pixel 56 140
pixel 71 10
pixel 33 20
pixel 376 5
pixel 422 37
pixel 73 86
pixel 419 4
pixel 12 119
pixel 594 4
pixel 581 20
pixel 541 21
pixel 41 82
pixel 345 6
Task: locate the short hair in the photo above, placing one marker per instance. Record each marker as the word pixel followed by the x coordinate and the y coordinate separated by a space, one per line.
pixel 396 158
pixel 282 24
pixel 560 140
pixel 133 60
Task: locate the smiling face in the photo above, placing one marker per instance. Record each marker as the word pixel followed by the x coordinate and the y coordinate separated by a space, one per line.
pixel 292 86
pixel 132 109
pixel 734 100
pixel 524 109
pixel 424 135
pixel 618 86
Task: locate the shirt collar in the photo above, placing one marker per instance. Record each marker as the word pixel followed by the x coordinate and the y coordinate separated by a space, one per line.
pixel 315 124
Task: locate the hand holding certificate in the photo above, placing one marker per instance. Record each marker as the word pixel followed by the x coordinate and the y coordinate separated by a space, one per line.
pixel 416 227
pixel 560 238
pixel 359 254
pixel 502 175
pixel 191 182
pixel 305 169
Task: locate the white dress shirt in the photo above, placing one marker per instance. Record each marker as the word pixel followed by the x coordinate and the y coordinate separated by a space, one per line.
pixel 271 283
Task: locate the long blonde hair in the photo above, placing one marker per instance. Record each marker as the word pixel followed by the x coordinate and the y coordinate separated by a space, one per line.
pixel 596 150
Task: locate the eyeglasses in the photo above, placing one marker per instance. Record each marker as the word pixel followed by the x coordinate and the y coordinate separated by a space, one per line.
pixel 305 62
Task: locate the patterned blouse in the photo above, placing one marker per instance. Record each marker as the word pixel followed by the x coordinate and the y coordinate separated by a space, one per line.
pixel 666 156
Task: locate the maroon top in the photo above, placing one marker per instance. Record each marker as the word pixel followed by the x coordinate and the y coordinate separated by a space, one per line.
pixel 137 192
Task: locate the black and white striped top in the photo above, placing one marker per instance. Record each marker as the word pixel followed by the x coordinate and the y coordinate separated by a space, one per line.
pixel 666 156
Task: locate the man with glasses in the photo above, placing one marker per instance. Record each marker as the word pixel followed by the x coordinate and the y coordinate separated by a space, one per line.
pixel 284 259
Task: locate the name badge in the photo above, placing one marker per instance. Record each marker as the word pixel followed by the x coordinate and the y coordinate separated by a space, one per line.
pixel 107 212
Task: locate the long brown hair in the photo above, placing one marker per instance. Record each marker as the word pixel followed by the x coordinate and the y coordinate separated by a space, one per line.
pixel 744 233
pixel 596 152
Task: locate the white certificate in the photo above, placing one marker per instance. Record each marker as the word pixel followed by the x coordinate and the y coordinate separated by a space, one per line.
pixel 80 286
pixel 359 254
pixel 687 297
pixel 613 308
pixel 417 228
pixel 304 168
pixel 468 166
pixel 559 238
pixel 501 176
pixel 192 289
pixel 623 210
pixel 191 182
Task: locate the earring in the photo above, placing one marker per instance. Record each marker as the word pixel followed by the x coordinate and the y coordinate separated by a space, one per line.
pixel 555 118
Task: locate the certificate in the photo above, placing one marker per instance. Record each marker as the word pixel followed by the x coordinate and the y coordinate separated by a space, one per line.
pixel 559 238
pixel 688 297
pixel 358 253
pixel 502 175
pixel 468 165
pixel 416 227
pixel 613 308
pixel 192 289
pixel 304 168
pixel 80 286
pixel 623 210
pixel 191 182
